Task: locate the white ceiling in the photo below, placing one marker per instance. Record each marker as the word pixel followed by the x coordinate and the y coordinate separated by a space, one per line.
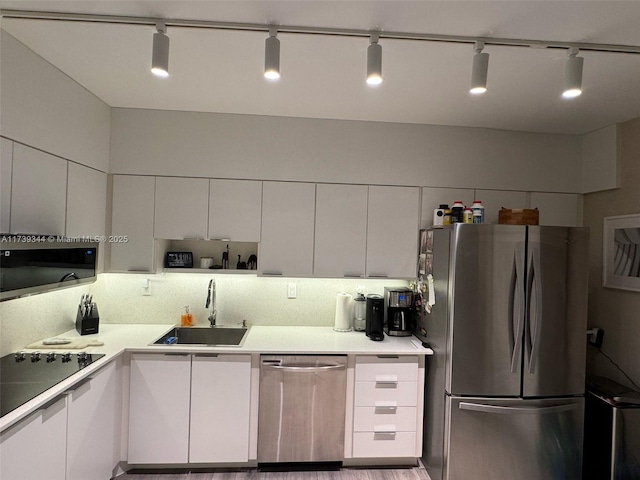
pixel 323 77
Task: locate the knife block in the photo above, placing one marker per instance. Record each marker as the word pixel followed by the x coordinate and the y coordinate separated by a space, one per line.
pixel 89 324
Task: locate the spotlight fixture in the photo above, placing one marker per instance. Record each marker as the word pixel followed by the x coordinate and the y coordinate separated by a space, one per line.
pixel 479 70
pixel 272 56
pixel 160 55
pixel 374 61
pixel 573 74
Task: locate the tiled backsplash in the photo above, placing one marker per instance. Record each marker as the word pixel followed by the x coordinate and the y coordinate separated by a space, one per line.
pixel 120 299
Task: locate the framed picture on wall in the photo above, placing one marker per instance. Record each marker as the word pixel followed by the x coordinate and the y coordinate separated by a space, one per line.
pixel 621 252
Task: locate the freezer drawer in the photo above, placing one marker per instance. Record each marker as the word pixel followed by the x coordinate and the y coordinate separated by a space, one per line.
pixel 384 443
pixel 301 414
pixel 507 439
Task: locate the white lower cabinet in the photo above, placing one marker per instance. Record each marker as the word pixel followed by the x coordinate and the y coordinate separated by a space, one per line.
pixel 159 408
pixel 36 448
pixel 93 425
pixel 189 410
pixel 76 436
pixel 220 404
pixel 385 417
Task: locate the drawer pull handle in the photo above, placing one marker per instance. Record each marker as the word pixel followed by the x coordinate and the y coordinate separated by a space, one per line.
pixel 384 429
pixel 385 410
pixel 388 379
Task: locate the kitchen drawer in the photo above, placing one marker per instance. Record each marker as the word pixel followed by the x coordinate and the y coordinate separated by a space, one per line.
pixel 405 394
pixel 402 419
pixel 371 368
pixel 384 444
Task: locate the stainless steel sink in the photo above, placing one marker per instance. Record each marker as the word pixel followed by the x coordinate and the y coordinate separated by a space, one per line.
pixel 221 336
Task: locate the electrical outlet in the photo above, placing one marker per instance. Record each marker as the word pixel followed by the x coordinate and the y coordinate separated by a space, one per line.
pixel 595 337
pixel 292 290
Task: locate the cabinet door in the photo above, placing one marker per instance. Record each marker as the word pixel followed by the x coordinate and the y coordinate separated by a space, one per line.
pixel 132 215
pixel 159 408
pixel 392 231
pixel 340 230
pixel 181 209
pixel 93 426
pixel 86 201
pixel 494 200
pixel 235 210
pixel 288 211
pixel 558 209
pixel 6 165
pixel 220 416
pixel 35 447
pixel 386 399
pixel 38 192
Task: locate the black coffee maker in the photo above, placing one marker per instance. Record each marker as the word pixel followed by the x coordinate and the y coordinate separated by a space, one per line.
pixel 375 317
pixel 398 311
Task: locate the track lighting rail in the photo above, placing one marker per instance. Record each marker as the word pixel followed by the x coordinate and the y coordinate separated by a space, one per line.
pixel 343 32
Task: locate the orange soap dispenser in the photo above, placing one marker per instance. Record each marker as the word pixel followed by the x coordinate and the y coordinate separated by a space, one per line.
pixel 186 319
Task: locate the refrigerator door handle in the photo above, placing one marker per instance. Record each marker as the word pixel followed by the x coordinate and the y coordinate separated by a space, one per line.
pixel 535 308
pixel 517 310
pixel 481 407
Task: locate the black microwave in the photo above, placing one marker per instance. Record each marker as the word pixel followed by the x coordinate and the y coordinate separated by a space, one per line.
pixel 32 264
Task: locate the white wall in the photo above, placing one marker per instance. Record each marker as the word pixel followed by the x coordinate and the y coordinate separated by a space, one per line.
pixel 154 142
pixel 44 109
pixel 614 310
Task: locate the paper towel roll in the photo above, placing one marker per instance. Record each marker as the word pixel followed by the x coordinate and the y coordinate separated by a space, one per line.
pixel 343 313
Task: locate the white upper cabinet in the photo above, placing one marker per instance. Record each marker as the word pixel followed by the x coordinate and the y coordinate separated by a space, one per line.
pixel 235 208
pixel 86 201
pixel 288 215
pixel 6 165
pixel 181 208
pixel 38 192
pixel 341 230
pixel 558 209
pixel 494 200
pixel 132 216
pixel 392 231
pixel 433 197
pixel 36 447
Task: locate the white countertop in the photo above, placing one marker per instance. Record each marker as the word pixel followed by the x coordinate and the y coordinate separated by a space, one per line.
pixel 119 338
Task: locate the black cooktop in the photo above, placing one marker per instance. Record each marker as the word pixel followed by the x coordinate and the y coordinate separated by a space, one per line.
pixel 24 376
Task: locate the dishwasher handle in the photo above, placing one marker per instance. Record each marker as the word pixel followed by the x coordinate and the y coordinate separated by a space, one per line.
pixel 304 368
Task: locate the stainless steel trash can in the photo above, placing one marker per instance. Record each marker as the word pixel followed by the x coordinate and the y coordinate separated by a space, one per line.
pixel 612 431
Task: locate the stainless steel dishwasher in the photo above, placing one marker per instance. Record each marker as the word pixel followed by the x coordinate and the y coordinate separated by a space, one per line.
pixel 302 408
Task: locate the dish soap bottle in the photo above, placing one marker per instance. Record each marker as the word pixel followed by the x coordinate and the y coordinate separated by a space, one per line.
pixel 186 319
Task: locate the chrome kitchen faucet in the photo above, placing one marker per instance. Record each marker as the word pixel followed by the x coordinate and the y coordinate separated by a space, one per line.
pixel 211 302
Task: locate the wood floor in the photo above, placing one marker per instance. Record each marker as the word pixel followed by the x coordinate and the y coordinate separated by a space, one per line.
pixel 416 473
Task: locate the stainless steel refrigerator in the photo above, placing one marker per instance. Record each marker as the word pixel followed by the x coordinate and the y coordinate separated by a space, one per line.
pixel 505 387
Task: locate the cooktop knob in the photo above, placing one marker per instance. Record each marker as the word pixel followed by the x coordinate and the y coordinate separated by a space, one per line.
pixel 51 357
pixel 82 357
pixel 35 356
pixel 66 357
pixel 20 356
